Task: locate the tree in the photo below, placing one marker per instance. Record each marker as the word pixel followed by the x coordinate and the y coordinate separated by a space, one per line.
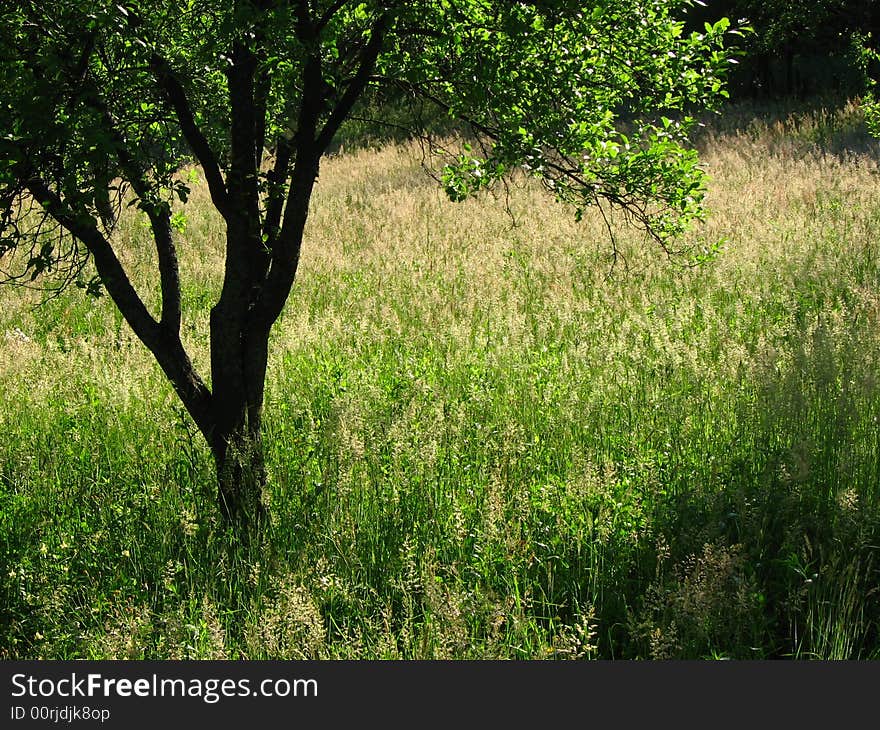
pixel 784 30
pixel 103 102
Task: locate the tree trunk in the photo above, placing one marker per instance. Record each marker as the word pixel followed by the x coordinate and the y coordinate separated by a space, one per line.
pixel 239 355
pixel 241 477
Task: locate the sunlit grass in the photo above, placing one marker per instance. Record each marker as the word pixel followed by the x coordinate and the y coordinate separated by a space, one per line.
pixel 484 439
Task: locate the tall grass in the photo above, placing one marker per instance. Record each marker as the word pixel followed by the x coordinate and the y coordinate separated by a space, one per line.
pixel 484 440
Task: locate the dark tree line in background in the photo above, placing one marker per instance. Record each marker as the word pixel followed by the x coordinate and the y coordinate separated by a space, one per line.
pixel 799 47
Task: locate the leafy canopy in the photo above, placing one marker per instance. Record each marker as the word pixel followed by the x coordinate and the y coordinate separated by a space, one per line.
pixel 869 60
pixel 102 102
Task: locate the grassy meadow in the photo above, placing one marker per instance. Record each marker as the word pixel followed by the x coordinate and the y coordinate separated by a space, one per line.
pixel 484 440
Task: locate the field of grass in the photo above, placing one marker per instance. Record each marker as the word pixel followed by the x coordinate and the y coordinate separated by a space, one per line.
pixel 484 442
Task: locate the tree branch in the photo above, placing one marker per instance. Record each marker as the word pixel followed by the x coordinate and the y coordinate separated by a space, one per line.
pixel 109 267
pixel 357 85
pixel 177 97
pixel 286 248
pixel 262 89
pixel 169 270
pixel 166 347
pixel 328 15
pixel 242 180
pixel 200 146
pixel 158 213
pixel 305 28
pixel 275 196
